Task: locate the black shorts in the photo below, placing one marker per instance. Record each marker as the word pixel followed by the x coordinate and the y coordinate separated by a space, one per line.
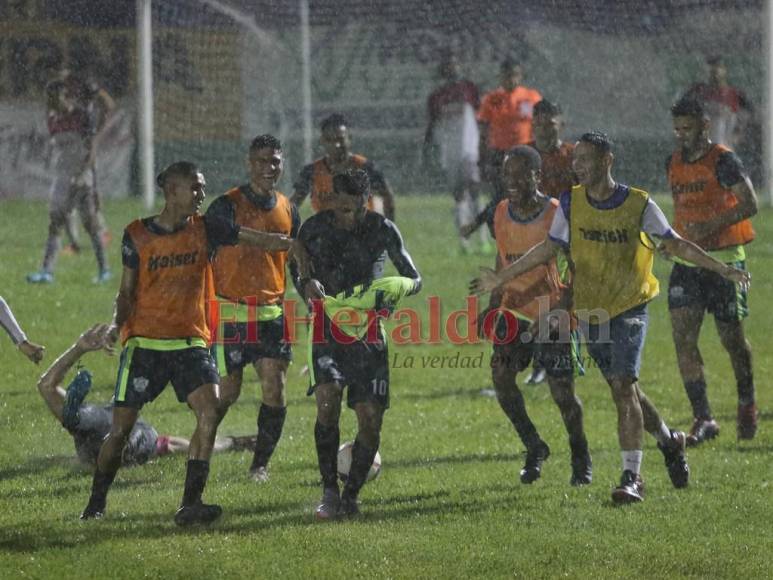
pixel 558 358
pixel 691 286
pixel 241 345
pixel 362 367
pixel 144 373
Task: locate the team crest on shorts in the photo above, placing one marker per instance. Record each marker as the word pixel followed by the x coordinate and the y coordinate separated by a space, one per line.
pixel 140 384
pixel 676 291
pixel 235 356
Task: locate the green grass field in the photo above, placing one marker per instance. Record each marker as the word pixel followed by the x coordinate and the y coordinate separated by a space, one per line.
pixel 448 502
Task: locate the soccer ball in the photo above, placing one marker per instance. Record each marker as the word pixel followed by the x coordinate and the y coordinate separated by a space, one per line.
pixel 345 462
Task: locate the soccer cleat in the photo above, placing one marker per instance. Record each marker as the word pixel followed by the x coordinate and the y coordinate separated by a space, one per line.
pixel 198 513
pixel 630 490
pixel 242 442
pixel 73 399
pixel 676 462
pixel 328 506
pixel 259 474
pixel 746 426
pixel 535 456
pixel 94 511
pixel 537 376
pixel 582 470
pixel 348 507
pixel 102 277
pixel 41 277
pixel 702 430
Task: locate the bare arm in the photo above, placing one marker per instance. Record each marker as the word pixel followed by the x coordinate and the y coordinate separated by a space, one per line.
pixel 384 191
pixel 32 351
pixel 264 240
pixel 692 253
pixel 536 256
pixel 124 302
pixel 50 383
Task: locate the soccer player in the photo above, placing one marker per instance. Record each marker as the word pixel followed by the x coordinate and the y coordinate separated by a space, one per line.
pixel 74 135
pixel 524 328
pixel 32 351
pixel 250 285
pixel 453 131
pixel 557 175
pixel 161 315
pixel 90 424
pixel 344 249
pixel 316 179
pixel 602 223
pixel 505 116
pixel 713 201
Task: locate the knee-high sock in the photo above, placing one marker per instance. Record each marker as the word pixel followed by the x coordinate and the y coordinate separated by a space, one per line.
pixel 271 420
pixel 362 459
pixel 327 440
pixel 515 409
pixel 195 481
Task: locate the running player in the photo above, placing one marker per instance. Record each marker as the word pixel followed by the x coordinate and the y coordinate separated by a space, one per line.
pixel 344 249
pixel 32 351
pixel 161 315
pixel 316 179
pixel 73 136
pixel 250 285
pixel 90 424
pixel 557 173
pixel 520 222
pixel 601 223
pixel 713 201
pixel 453 131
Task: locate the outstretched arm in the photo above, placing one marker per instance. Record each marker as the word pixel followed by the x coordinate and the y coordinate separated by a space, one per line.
pixel 690 252
pixel 32 351
pixel 50 384
pixel 540 254
pixel 401 258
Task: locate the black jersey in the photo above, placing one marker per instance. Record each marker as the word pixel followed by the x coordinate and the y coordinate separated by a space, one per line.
pixel 341 259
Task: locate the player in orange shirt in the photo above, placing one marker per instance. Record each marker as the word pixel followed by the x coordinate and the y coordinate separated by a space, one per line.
pixel 316 179
pixel 248 278
pixel 713 201
pixel 161 316
pixel 526 329
pixel 505 116
pixel 557 173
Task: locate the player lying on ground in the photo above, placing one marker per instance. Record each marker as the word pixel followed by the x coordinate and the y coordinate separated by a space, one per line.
pixel 601 223
pixel 343 251
pixel 90 424
pixel 162 318
pixel 525 327
pixel 32 351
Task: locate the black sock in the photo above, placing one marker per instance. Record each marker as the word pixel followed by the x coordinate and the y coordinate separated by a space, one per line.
pixel 270 423
pixel 746 391
pixel 514 407
pixel 99 488
pixel 696 392
pixel 362 460
pixel 195 481
pixel 579 446
pixel 327 440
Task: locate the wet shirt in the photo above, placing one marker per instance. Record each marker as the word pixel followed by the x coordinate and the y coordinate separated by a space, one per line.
pixel 341 259
pixel 94 425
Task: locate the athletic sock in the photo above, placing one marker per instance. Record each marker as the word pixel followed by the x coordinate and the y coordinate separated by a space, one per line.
pixel 514 407
pixel 327 440
pixel 696 392
pixel 746 391
pixel 195 481
pixel 632 460
pixel 52 248
pixel 99 249
pixel 271 420
pixel 362 460
pixel 99 488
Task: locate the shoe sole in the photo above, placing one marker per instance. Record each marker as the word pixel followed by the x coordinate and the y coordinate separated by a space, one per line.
pixel 324 516
pixel 691 441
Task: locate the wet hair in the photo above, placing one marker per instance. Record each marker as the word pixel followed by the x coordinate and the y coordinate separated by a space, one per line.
pixel 266 142
pixel 545 107
pixel 333 122
pixel 508 64
pixel 176 170
pixel 599 140
pixel 529 154
pixel 688 107
pixel 352 182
